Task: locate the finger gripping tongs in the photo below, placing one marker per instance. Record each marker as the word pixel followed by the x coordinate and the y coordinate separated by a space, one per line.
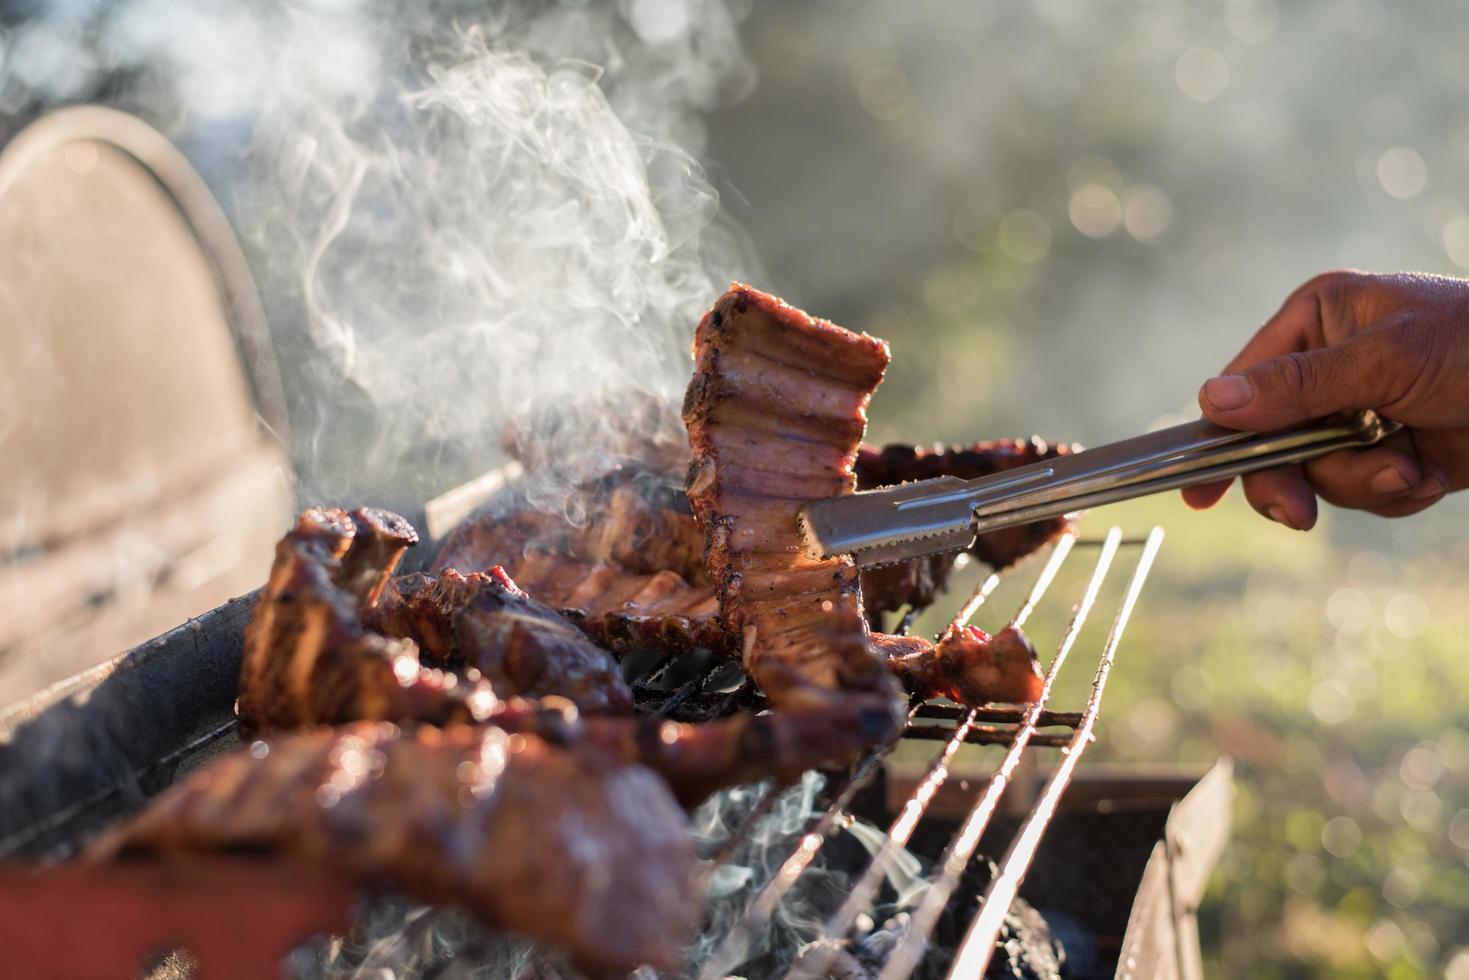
pixel 927 517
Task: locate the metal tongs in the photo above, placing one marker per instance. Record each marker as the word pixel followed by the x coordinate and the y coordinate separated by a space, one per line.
pixel 926 517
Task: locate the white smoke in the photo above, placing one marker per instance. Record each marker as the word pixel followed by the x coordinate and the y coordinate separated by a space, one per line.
pixel 460 213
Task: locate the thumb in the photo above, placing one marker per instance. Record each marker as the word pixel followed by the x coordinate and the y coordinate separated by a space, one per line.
pixel 1298 387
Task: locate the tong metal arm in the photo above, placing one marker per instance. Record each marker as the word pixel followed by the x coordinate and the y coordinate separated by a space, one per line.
pixel 931 516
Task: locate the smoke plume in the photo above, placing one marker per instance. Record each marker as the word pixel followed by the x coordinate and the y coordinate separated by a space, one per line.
pixel 460 214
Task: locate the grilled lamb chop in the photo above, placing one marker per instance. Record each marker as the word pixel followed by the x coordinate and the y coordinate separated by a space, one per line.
pixel 916 583
pixel 566 845
pixel 483 625
pixel 967 665
pixel 315 652
pixel 309 660
pixel 775 412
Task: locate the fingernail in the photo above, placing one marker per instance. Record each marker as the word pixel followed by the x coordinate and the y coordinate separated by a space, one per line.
pixel 1277 514
pixel 1429 487
pixel 1388 480
pixel 1229 391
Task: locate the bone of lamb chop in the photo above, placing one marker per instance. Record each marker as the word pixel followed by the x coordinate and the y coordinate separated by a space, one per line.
pixel 566 845
pixel 775 412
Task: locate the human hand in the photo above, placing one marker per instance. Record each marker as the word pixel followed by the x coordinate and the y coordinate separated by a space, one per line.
pixel 1346 341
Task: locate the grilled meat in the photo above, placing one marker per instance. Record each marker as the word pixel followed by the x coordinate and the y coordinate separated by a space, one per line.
pixel 563 844
pixel 630 520
pixel 967 665
pixel 483 625
pixel 917 583
pixel 775 412
pixel 615 591
pixel 698 759
pixel 309 660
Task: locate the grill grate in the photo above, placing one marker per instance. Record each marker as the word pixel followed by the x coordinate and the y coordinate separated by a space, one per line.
pixel 1015 728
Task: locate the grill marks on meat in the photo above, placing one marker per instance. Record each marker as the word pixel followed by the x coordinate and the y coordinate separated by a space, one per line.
pixel 484 626
pixel 775 412
pixel 918 582
pixel 563 844
pixel 308 659
pixel 967 665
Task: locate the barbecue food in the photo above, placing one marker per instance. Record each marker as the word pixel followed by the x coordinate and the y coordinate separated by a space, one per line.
pixel 775 412
pixel 566 845
pixel 321 648
pixel 619 600
pixel 633 521
pixel 917 582
pixel 698 759
pixel 484 625
pixel 309 660
pixel 967 665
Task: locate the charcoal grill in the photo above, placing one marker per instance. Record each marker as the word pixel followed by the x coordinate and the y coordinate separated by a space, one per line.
pixel 86 751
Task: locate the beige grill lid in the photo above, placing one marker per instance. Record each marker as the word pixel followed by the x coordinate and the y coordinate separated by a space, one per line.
pixel 142 468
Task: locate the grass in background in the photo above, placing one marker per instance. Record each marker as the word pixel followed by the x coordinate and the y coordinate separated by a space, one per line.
pixel 1335 677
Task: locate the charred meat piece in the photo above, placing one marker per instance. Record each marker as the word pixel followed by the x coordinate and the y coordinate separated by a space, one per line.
pixel 618 599
pixel 967 665
pixel 634 521
pixel 483 625
pixel 309 660
pixel 566 845
pixel 775 412
pixel 916 583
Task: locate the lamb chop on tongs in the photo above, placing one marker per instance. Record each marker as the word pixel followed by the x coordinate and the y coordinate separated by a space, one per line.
pixel 776 413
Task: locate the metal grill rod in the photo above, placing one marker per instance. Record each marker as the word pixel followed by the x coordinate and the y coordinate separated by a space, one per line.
pixel 979 942
pixel 914 941
pixel 860 898
pixel 730 952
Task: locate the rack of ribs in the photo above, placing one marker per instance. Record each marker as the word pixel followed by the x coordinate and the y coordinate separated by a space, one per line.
pixel 775 412
pixel 564 844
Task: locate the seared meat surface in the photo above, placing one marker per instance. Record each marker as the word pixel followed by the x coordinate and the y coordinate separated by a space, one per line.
pixel 967 665
pixel 622 596
pixel 483 625
pixel 563 844
pixel 317 653
pixel 308 659
pixel 631 521
pixel 775 412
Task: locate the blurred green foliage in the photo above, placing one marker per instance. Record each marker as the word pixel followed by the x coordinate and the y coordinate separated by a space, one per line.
pixel 1064 216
